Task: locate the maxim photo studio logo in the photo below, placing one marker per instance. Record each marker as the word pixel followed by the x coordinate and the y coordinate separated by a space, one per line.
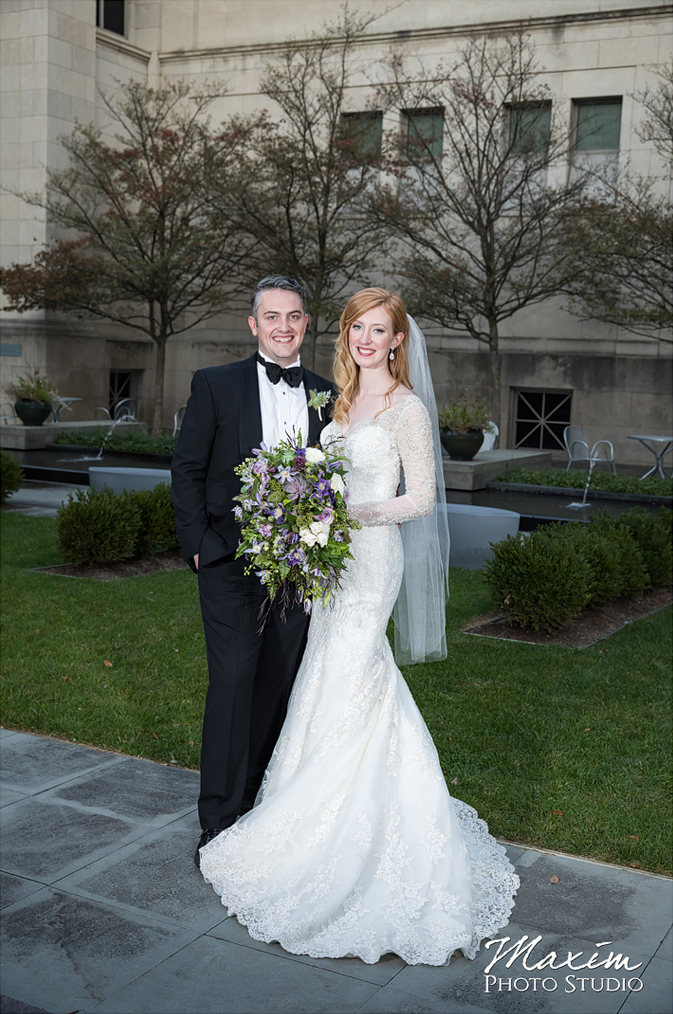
pixel 579 978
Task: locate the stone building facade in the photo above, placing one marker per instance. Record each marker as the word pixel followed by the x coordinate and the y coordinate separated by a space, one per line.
pixel 57 54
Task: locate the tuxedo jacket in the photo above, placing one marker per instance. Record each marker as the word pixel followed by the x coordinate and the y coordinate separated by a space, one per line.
pixel 222 424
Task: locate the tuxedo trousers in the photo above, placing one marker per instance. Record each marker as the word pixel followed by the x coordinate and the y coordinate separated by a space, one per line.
pixel 250 681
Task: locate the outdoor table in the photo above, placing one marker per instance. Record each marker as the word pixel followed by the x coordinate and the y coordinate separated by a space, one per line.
pixel 653 444
pixel 63 403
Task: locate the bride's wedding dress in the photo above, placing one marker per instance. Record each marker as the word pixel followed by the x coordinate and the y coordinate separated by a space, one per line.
pixel 354 846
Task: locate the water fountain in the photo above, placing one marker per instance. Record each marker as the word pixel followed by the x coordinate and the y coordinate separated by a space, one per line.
pixel 583 503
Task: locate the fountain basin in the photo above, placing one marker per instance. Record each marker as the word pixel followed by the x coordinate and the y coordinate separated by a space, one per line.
pixel 120 480
pixel 30 438
pixel 472 528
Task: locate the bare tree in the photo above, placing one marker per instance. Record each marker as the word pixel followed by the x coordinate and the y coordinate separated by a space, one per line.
pixel 307 173
pixel 478 190
pixel 658 123
pixel 149 252
pixel 622 240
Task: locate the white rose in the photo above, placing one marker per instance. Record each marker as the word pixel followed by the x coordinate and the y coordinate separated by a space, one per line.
pixel 337 483
pixel 308 537
pixel 314 454
pixel 323 539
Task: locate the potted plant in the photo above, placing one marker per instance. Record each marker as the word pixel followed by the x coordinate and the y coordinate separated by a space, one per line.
pixel 462 425
pixel 33 394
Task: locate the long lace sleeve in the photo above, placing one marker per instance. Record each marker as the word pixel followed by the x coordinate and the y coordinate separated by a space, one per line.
pixel 413 436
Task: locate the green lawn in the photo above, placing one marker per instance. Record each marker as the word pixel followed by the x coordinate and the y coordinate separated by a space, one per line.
pixel 555 747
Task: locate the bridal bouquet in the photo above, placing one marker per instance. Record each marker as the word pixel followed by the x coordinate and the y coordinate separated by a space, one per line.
pixel 295 521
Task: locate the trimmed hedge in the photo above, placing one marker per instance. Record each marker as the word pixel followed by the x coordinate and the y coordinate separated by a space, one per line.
pixel 117 441
pixel 99 526
pixel 11 475
pixel 551 575
pixel 604 481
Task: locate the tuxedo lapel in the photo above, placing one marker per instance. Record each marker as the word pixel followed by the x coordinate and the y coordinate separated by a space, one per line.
pixel 250 417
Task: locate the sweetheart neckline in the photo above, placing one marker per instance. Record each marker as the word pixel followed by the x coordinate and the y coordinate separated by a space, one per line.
pixel 374 418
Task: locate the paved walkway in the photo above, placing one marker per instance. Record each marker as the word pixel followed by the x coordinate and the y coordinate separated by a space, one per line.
pixel 103 910
pixel 40 499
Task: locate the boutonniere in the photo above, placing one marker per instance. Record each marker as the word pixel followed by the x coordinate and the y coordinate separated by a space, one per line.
pixel 319 400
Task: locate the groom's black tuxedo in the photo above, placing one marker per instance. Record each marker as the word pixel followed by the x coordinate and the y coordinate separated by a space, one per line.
pixel 251 675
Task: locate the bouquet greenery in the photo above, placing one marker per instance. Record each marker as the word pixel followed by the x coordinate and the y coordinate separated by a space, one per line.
pixel 295 532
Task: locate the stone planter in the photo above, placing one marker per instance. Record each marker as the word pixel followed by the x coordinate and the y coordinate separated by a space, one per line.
pixel 31 412
pixel 461 446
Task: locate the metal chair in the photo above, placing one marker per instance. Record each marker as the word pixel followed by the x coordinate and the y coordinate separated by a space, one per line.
pixel 124 409
pixel 178 417
pixel 577 447
pixel 7 413
pixel 491 434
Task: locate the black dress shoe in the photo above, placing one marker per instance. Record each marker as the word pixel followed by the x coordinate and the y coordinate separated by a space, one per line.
pixel 206 836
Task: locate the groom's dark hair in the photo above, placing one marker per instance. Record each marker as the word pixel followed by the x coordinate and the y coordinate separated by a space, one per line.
pixel 277 282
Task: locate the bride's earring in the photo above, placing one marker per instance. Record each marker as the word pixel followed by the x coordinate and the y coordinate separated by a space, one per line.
pixel 392 354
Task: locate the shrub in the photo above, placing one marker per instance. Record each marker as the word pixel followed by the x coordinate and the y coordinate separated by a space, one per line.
pixel 143 443
pixel 600 480
pixel 615 559
pixel 11 475
pixel 652 532
pixel 97 526
pixel 539 580
pixel 157 525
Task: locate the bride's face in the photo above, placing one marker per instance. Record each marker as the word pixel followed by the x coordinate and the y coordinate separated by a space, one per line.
pixel 371 337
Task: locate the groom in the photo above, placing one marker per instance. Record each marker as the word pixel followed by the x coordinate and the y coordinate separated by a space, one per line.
pixel 232 409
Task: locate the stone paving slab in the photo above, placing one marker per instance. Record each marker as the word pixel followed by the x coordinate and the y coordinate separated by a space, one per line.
pixel 218 977
pixel 104 911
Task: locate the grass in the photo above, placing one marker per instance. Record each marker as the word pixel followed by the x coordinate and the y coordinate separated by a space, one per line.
pixel 606 481
pixel 555 747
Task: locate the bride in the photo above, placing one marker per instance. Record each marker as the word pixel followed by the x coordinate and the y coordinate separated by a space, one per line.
pixel 354 846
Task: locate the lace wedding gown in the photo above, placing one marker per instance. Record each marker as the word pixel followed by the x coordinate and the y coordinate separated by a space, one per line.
pixel 354 846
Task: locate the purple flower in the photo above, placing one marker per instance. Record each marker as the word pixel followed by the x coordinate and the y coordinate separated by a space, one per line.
pixel 238 511
pixel 325 515
pixel 266 530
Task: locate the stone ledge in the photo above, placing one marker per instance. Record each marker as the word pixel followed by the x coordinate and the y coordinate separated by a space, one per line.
pixel 487 464
pixel 35 438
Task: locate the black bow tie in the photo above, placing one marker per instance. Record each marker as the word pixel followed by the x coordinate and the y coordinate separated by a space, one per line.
pixel 293 375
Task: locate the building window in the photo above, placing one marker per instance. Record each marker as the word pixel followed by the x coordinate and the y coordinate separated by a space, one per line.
pixel 364 133
pixel 110 15
pixel 597 131
pixel 540 418
pixel 424 133
pixel 124 384
pixel 529 127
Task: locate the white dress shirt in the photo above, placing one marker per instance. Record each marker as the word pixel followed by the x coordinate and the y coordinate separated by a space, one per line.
pixel 284 408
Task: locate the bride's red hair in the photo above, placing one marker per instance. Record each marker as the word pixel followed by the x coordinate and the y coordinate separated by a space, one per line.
pixel 346 370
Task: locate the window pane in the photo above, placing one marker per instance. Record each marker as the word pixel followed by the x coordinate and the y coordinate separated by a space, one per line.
pixel 529 127
pixel 425 129
pixel 598 125
pixel 113 16
pixel 541 417
pixel 365 132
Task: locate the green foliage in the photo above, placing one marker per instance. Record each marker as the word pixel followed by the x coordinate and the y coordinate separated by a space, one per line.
pixel 539 580
pixel 465 413
pixel 11 475
pixel 97 526
pixel 33 386
pixel 653 535
pixel 544 579
pixel 605 481
pixel 119 441
pixel 157 525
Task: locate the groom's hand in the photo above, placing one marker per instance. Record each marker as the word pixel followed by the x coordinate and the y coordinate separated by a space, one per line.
pixel 195 558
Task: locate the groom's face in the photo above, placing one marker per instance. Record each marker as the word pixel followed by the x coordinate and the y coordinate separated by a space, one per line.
pixel 279 326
